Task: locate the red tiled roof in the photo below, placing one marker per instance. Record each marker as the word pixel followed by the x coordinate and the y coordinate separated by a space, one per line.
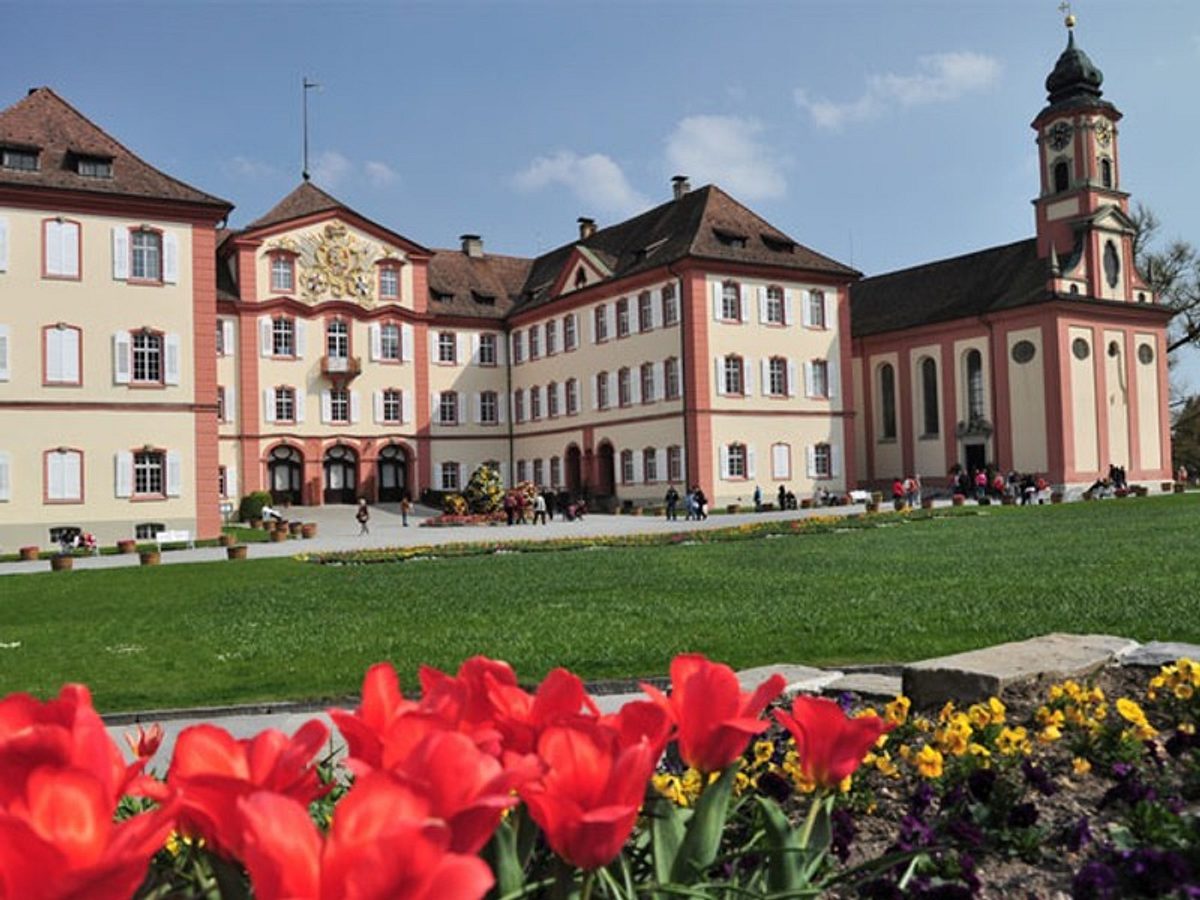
pixel 60 133
pixel 306 200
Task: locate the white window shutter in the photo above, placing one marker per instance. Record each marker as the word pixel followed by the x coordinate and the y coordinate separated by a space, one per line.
pixel 744 306
pixel 231 481
pixel 805 310
pixel 52 350
pixel 747 377
pixel 433 346
pixel 762 304
pixel 460 355
pixel 635 386
pixel 301 338
pixel 789 315
pixel 612 389
pixel 660 463
pixel 56 476
pixel 560 398
pixel 70 249
pixel 120 248
pixel 375 340
pixel 791 379
pixel 435 408
pixel 301 403
pixel 592 326
pixel 656 318
pixel 812 461
pixel 610 318
pixel 265 342
pixel 809 387
pixel 751 464
pixel 122 357
pixel 124 473
pixel 73 475
pixel 830 312
pixel 4 353
pixel 405 407
pixel 716 300
pixel 326 407
pixel 596 392
pixel 501 350
pixel 476 409
pixel 269 404
pixel 377 406
pixel 171 369
pixel 638 473
pixel 474 348
pixel 406 342
pixel 174 473
pixel 170 244
pixel 831 378
pixel 660 388
pixel 52 236
pixel 764 371
pixel 500 406
pixel 230 404
pixel 835 460
pixel 3 244
pixel 5 476
pixel 227 336
pixel 355 407
pixel 724 461
pixel 719 370
pixel 779 461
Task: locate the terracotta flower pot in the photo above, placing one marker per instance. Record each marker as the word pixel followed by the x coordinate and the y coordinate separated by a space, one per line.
pixel 309 530
pixel 806 503
pixel 872 507
pixel 278 536
pixel 958 499
pixel 62 563
pixel 236 551
pixel 226 540
pixel 150 557
pixel 127 546
pixel 926 503
pixel 295 528
pixel 28 553
pixel 898 505
pixel 876 497
pixel 255 523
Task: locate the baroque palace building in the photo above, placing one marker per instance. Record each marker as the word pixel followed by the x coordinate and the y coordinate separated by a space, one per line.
pixel 154 365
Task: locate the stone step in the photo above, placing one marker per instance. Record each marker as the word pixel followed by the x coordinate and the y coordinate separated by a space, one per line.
pixel 799 679
pixel 870 685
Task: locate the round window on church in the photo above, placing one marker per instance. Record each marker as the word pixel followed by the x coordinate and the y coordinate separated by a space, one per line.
pixel 1081 348
pixel 1146 354
pixel 1023 352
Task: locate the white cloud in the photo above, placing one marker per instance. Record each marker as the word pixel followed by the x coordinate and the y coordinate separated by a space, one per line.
pixel 380 174
pixel 727 150
pixel 245 167
pixel 595 179
pixel 941 77
pixel 330 168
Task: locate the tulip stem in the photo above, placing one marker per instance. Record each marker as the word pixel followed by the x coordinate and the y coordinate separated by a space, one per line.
pixel 589 879
pixel 810 820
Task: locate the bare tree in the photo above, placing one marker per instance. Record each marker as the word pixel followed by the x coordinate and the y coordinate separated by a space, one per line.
pixel 1173 272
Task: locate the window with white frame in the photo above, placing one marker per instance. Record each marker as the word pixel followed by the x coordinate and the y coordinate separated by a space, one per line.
pixel 489 408
pixel 283 336
pixel 623 317
pixel 285 404
pixel 674 463
pixel 522 470
pixel 62 348
pixel 221 348
pixel 389 342
pixel 518 347
pixel 781 462
pixel 649 465
pixel 539 472
pixel 337 339
pixel 389 281
pixel 535 341
pixel 145 260
pixel 775 305
pixel 624 388
pixel 555 471
pixel 535 402
pixel 600 318
pixel 822 461
pixel 736 467
pixel 671 378
pixel 551 337
pixel 816 309
pixel 552 399
pixel 645 311
pixel 283 273
pixel 339 406
pixel 820 378
pixel 647 377
pixel 447 347
pixel 626 466
pixel 147 358
pixel 149 473
pixel 777 374
pixel 61 250
pixel 731 302
pixel 487 349
pixel 602 398
pixel 519 405
pixel 670 305
pixel 393 406
pixel 734 375
pixel 570 332
pixel 448 408
pixel 450 480
pixel 572 396
pixel 64 476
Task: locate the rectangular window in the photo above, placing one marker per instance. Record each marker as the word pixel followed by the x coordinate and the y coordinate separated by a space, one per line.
pixel 285 404
pixel 21 160
pixel 626 466
pixel 449 476
pixel 645 311
pixel 61 248
pixel 448 408
pixel 283 273
pixel 737 460
pixel 539 472
pixel 519 405
pixel 535 342
pixel 389 283
pixel 670 306
pixel 489 412
pixel 733 375
pixel 522 470
pixel 147 358
pixel 337 339
pixel 570 332
pixel 674 464
pixel 447 347
pixel 777 374
pixel 518 348
pixel 602 390
pixel 535 402
pixel 221 350
pixel 389 342
pixel 283 336
pixel 93 167
pixel 671 377
pixel 816 309
pixel 222 482
pixel 649 465
pixel 64 476
pixel 145 261
pixel 623 317
pixel 820 378
pixel 555 471
pixel 339 406
pixel 552 400
pixel 61 346
pixel 149 474
pixel 487 350
pixel 822 461
pixel 731 302
pixel 647 376
pixel 392 406
pixel 572 396
pixel 774 310
pixel 220 404
pixel 624 388
pixel 600 317
pixel 551 338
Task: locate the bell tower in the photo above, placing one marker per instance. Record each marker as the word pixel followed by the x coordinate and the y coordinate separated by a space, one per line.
pixel 1083 223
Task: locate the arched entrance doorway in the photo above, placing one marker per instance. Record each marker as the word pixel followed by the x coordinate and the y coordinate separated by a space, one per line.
pixel 574 472
pixel 341 475
pixel 606 472
pixel 285 475
pixel 393 474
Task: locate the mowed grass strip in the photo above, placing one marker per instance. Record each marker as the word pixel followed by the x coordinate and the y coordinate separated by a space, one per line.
pixel 217 633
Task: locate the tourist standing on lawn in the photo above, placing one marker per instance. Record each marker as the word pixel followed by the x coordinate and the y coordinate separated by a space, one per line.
pixel 672 501
pixel 363 516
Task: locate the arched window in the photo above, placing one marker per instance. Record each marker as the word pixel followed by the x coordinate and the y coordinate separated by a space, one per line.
pixel 974 363
pixel 931 425
pixel 887 402
pixel 1062 176
pixel 1106 176
pixel 1112 264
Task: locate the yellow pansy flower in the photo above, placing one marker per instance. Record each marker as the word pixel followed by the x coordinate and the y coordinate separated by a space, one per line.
pixel 929 762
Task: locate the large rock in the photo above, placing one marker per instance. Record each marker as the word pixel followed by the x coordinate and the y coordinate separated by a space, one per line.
pixel 979 674
pixel 1160 653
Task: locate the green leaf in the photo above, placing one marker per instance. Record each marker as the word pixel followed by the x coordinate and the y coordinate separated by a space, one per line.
pixel 667 825
pixel 501 853
pixel 784 869
pixel 702 837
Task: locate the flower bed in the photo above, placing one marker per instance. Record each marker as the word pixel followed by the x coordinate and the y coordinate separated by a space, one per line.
pixel 478 784
pixel 452 520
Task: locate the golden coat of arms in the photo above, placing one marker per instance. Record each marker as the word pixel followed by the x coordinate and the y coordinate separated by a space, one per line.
pixel 335 265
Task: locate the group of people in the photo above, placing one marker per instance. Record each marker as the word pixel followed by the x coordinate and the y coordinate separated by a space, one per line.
pixel 362 515
pixel 695 504
pixel 519 509
pixel 907 490
pixel 987 483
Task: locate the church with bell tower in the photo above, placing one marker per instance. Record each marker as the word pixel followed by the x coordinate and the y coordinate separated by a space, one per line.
pixel 1047 355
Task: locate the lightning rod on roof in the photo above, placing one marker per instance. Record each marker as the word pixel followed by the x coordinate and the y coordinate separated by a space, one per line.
pixel 307 86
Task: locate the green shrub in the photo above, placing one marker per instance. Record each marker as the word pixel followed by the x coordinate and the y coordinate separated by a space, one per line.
pixel 252 505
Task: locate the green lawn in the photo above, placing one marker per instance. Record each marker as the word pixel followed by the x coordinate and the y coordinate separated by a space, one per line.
pixel 279 629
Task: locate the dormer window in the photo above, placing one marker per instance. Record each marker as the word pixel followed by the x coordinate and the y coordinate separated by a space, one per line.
pixel 283 273
pixel 21 159
pixel 580 277
pixel 483 299
pixel 442 297
pixel 778 243
pixel 94 166
pixel 730 238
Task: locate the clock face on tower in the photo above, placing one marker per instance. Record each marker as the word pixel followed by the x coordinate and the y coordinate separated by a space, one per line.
pixel 1103 132
pixel 1060 135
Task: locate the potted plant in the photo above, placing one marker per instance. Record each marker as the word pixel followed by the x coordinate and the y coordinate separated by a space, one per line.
pixel 926 503
pixel 235 551
pixel 898 504
pixel 127 545
pixel 806 503
pixel 731 508
pixel 28 553
pixel 255 523
pixel 872 507
pixel 308 530
pixel 278 535
pixel 295 529
pixel 958 499
pixel 150 557
pixel 226 539
pixel 62 562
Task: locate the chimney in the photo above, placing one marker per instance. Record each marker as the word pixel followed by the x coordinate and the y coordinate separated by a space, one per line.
pixel 587 227
pixel 472 245
pixel 680 186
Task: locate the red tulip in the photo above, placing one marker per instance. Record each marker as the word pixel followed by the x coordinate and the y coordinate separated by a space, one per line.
pixel 58 839
pixel 715 718
pixel 211 770
pixel 145 744
pixel 521 717
pixel 382 704
pixel 587 800
pixel 830 745
pixel 464 699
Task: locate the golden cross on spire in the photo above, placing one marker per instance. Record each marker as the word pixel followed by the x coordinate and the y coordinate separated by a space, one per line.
pixel 1065 8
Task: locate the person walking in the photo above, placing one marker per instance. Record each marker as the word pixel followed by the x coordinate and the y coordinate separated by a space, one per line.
pixel 363 516
pixel 405 508
pixel 757 498
pixel 782 497
pixel 701 503
pixel 672 501
pixel 539 508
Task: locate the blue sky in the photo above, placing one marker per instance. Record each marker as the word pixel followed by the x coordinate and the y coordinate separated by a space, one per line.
pixel 884 134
